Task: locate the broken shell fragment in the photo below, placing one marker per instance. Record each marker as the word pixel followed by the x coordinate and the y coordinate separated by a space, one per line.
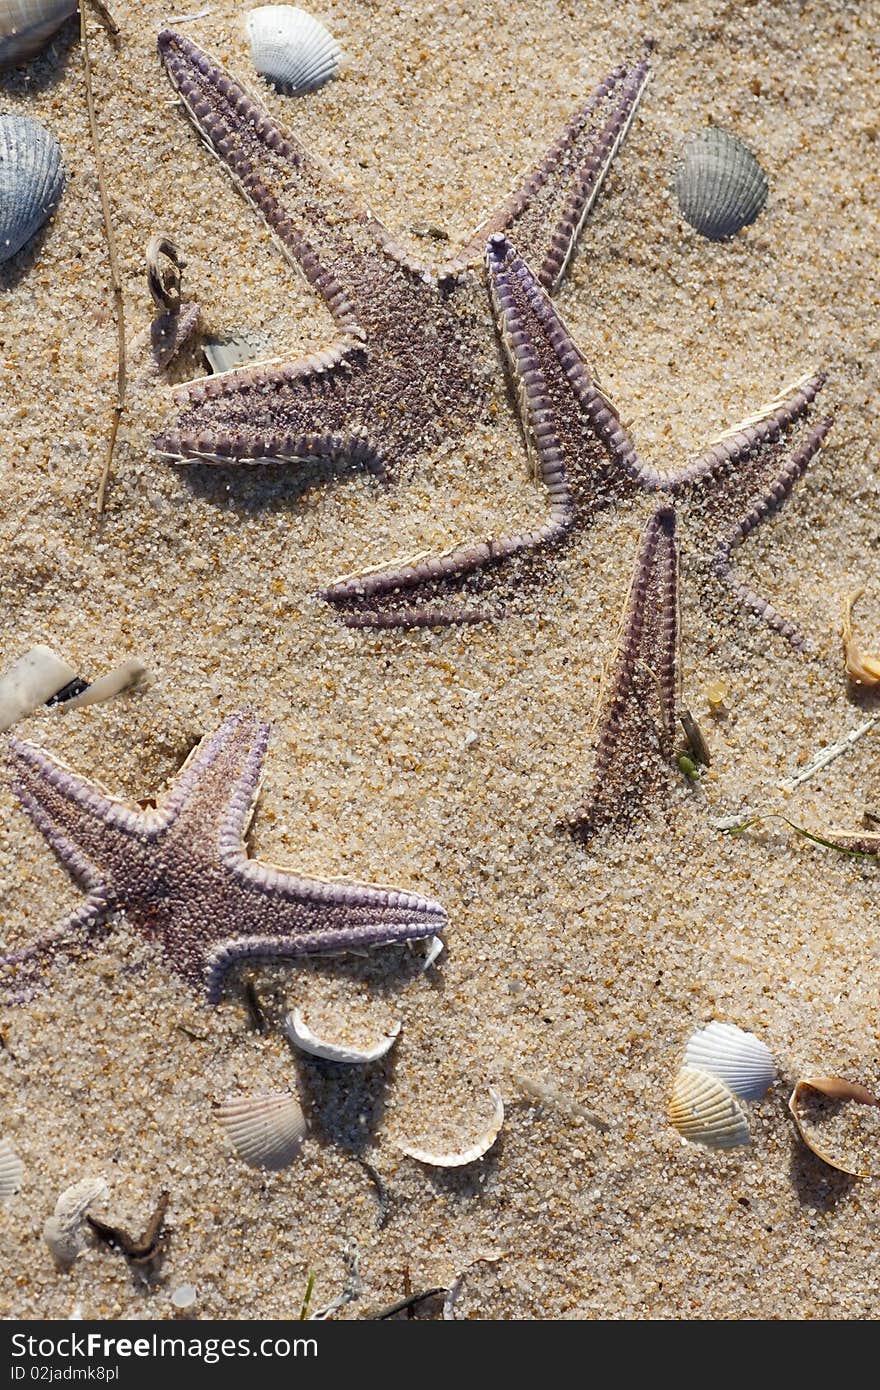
pixel 737 1058
pixel 11 1171
pixel 121 678
pixel 861 667
pixel 27 25
pixel 459 1157
pixel 164 268
pixel 30 682
pixel 233 350
pixel 719 184
pixel 31 180
pixel 267 1130
pixel 844 1138
pixel 302 1037
pixel 63 1231
pixel 291 48
pixel 705 1111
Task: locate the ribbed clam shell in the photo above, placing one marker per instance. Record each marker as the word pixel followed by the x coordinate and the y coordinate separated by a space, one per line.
pixel 30 682
pixel 11 1171
pixel 457 1158
pixel 31 180
pixel 719 183
pixel 63 1230
pixel 737 1058
pixel 26 25
pixel 291 48
pixel 266 1130
pixel 705 1111
pixel 301 1036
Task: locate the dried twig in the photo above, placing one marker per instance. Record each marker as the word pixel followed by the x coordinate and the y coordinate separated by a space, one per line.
pixel 405 1303
pixel 828 755
pixel 115 280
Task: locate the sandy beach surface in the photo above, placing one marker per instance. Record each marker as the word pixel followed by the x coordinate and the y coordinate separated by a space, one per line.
pixel 442 761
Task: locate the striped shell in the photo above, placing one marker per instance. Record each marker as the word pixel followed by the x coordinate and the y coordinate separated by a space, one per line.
pixel 26 25
pixel 301 1036
pixel 11 1171
pixel 459 1157
pixel 267 1130
pixel 739 1059
pixel 31 180
pixel 291 48
pixel 719 183
pixel 705 1111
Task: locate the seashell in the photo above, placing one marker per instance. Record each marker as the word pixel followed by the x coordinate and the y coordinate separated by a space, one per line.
pixel 719 184
pixel 739 1059
pixel 30 682
pixel 459 1157
pixel 11 1171
pixel 705 1111
pixel 267 1130
pixel 302 1037
pixel 63 1230
pixel 121 678
pixel 31 180
pixel 433 951
pixel 291 48
pixel 839 1130
pixel 26 25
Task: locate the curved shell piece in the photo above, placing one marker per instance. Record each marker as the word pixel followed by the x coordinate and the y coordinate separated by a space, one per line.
pixel 291 48
pixel 26 25
pixel 459 1157
pixel 63 1230
pixel 719 184
pixel 705 1111
pixel 11 1171
pixel 737 1058
pixel 31 180
pixel 267 1130
pixel 30 682
pixel 818 1106
pixel 302 1037
pixel 124 677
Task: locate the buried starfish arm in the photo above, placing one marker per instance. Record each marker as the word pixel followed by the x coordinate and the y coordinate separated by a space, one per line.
pixel 547 212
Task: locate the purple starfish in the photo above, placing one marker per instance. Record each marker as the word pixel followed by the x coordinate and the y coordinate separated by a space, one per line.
pixel 182 875
pixel 415 359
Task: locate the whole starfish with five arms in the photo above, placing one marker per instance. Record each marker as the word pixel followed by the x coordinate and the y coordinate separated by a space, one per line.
pixel 415 359
pixel 182 875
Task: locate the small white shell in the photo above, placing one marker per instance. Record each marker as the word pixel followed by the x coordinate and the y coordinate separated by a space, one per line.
pixel 267 1130
pixel 26 25
pixel 705 1111
pixel 719 183
pixel 30 682
pixel 302 1037
pixel 31 180
pixel 184 1296
pixel 291 48
pixel 63 1231
pixel 11 1171
pixel 460 1157
pixel 737 1058
pixel 123 677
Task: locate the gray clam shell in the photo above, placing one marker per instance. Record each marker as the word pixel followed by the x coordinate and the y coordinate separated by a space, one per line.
pixel 27 25
pixel 719 184
pixel 31 180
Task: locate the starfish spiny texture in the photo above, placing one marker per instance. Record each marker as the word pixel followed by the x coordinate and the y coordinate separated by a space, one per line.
pixel 414 361
pixel 587 461
pixel 182 875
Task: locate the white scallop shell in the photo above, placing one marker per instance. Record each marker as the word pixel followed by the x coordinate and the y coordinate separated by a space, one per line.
pixel 291 48
pixel 705 1111
pixel 719 183
pixel 737 1058
pixel 113 683
pixel 63 1230
pixel 31 180
pixel 26 25
pixel 302 1037
pixel 11 1171
pixel 267 1130
pixel 459 1157
pixel 30 682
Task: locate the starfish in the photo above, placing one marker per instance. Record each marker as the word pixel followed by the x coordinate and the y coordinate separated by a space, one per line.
pixel 414 360
pixel 587 461
pixel 182 875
